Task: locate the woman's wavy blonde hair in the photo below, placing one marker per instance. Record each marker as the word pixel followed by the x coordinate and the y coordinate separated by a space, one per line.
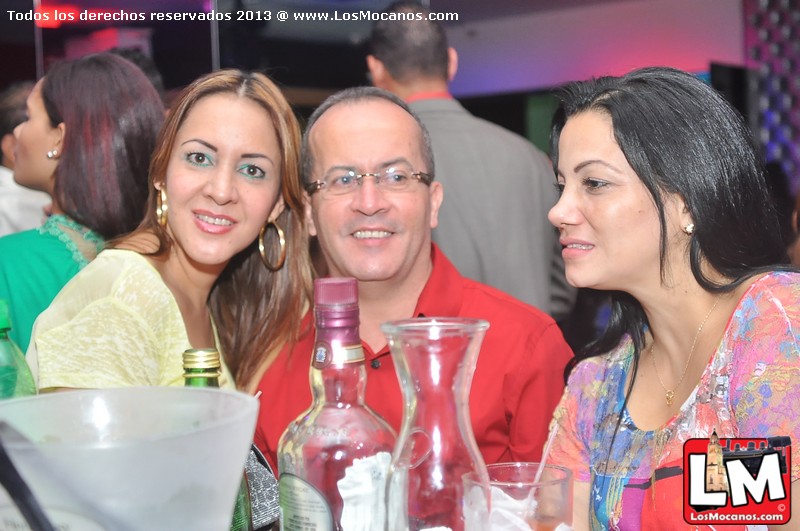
pixel 256 310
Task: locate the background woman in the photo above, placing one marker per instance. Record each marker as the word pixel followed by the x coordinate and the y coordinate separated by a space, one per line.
pixel 664 205
pixel 90 129
pixel 225 171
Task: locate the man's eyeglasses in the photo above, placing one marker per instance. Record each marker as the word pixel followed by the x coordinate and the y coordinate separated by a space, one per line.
pixel 392 179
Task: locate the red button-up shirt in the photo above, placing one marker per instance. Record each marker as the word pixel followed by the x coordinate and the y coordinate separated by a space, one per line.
pixel 517 383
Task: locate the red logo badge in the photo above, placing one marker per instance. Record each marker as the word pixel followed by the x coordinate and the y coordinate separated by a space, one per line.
pixel 737 481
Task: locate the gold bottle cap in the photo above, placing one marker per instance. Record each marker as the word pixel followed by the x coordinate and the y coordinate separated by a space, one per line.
pixel 201 358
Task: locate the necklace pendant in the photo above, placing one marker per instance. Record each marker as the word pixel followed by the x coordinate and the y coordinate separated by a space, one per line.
pixel 670 396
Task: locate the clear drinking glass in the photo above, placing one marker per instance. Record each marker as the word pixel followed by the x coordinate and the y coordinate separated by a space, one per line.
pixel 519 501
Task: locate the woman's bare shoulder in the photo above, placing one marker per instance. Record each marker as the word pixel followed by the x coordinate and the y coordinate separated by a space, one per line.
pixel 143 242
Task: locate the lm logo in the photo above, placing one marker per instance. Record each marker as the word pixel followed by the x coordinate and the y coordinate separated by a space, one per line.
pixel 737 481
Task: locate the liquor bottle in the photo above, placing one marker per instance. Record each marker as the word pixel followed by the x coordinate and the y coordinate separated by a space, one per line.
pixel 202 368
pixel 333 459
pixel 15 375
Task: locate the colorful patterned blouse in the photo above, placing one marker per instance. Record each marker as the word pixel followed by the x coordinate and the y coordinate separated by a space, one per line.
pixel 750 388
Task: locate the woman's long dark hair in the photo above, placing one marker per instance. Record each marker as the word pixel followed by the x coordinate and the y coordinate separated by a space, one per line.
pixel 112 115
pixel 681 137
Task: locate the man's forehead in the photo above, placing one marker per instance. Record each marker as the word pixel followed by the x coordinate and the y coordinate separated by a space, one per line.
pixel 368 111
pixel 369 122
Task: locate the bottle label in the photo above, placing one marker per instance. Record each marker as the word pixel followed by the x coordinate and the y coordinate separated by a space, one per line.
pixel 325 354
pixel 303 507
pixel 362 490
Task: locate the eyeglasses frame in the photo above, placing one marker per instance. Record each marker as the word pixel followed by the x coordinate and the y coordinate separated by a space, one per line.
pixel 421 176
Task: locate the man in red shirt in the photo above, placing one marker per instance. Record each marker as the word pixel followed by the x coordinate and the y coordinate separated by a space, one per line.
pixel 381 235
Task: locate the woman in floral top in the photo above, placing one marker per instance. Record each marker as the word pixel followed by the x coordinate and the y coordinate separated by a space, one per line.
pixel 663 204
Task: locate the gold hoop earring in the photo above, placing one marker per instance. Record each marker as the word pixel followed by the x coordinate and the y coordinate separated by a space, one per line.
pixel 281 241
pixel 689 229
pixel 161 207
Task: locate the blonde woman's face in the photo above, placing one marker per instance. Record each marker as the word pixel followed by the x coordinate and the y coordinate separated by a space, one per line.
pixel 223 179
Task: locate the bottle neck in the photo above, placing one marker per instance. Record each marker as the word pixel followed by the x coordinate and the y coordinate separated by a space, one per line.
pixel 201 367
pixel 336 325
pixel 203 377
pixel 338 376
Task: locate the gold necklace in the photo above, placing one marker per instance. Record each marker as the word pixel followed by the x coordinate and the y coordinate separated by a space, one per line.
pixel 670 393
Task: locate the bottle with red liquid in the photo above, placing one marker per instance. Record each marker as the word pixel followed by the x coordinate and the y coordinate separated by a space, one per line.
pixel 334 458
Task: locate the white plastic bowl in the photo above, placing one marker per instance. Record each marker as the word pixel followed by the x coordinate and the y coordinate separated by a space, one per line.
pixel 141 458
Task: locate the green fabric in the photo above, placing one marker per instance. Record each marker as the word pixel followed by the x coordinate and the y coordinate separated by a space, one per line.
pixel 36 264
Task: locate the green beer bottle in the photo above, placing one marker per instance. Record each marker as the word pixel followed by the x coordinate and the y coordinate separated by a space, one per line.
pixel 201 368
pixel 15 375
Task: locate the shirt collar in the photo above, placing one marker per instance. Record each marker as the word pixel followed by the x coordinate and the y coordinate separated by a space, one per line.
pixel 442 294
pixel 431 95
